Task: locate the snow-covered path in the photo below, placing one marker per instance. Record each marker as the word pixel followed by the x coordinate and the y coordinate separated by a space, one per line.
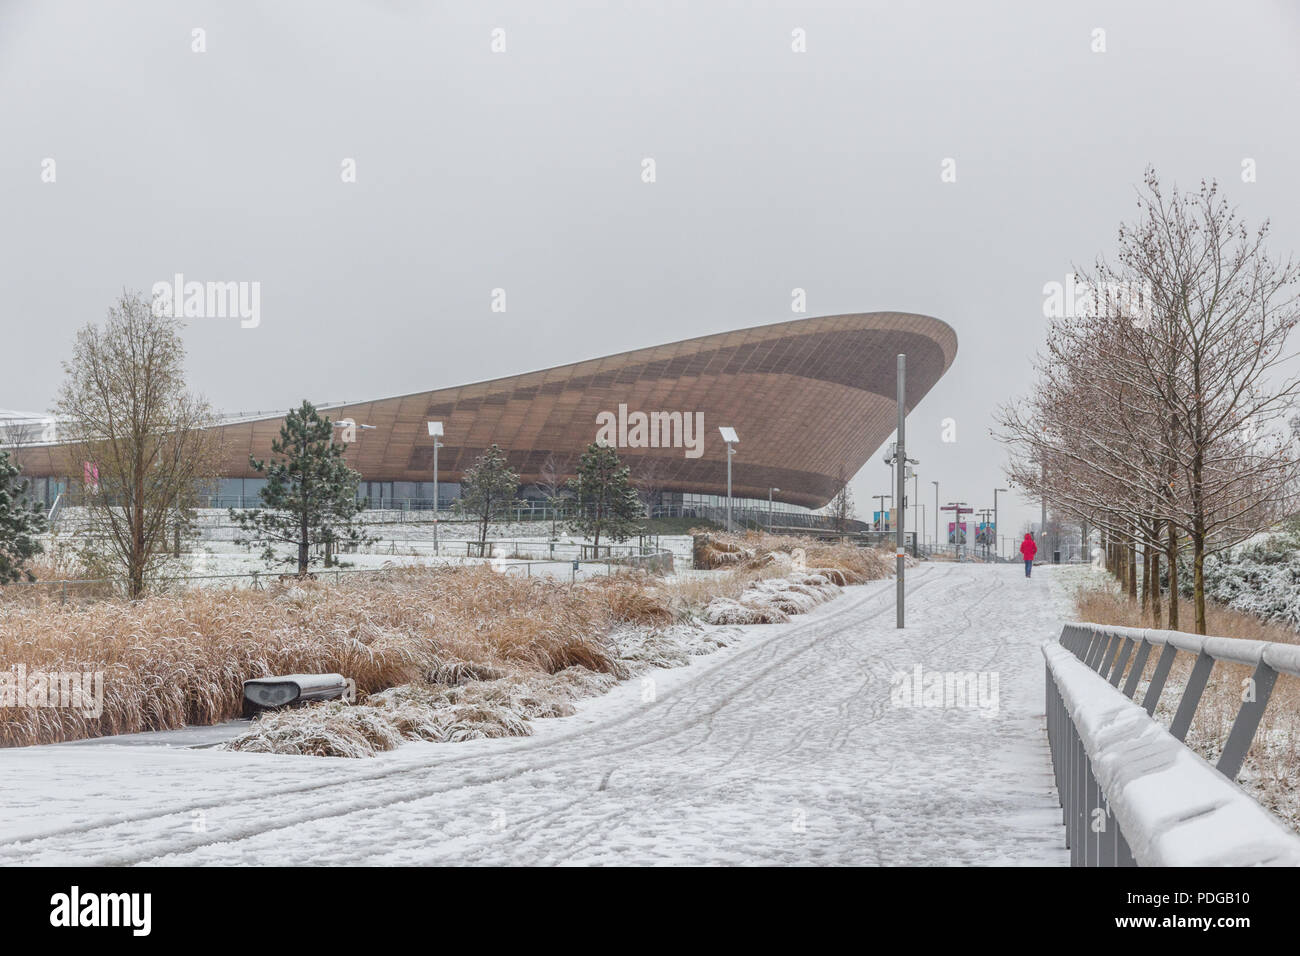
pixel 786 748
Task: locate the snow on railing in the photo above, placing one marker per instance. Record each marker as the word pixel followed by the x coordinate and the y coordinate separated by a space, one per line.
pixel 1131 791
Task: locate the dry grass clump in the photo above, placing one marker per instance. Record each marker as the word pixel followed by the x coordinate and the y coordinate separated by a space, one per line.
pixel 766 578
pixel 729 611
pixel 643 603
pixel 673 646
pixel 1271 772
pixel 772 601
pixel 842 562
pixel 711 550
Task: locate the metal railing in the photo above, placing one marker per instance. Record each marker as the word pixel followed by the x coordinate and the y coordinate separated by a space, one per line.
pixel 654 561
pixel 1103 743
pixel 511 556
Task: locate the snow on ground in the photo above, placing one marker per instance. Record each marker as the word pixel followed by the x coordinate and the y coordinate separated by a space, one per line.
pixel 215 554
pixel 786 747
pixel 1067 579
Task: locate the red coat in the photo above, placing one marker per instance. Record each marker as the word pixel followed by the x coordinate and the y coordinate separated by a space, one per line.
pixel 1028 548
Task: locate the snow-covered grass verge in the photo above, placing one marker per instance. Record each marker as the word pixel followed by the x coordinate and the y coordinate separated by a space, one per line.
pixel 772 601
pixel 444 653
pixel 476 709
pixel 665 624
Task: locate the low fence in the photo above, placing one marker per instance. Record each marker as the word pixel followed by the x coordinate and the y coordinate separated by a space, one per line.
pixel 657 561
pixel 90 589
pixel 548 550
pixel 1132 793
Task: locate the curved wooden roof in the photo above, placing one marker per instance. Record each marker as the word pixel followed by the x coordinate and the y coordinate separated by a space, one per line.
pixel 810 399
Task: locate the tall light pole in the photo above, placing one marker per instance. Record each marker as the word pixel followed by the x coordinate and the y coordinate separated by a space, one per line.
pixel 936 513
pixel 995 520
pixel 731 438
pixel 901 469
pixel 435 432
pixel 769 508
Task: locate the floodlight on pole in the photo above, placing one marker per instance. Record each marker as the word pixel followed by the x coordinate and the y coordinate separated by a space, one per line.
pixel 731 438
pixel 435 432
pixel 936 513
pixel 996 546
pixel 900 522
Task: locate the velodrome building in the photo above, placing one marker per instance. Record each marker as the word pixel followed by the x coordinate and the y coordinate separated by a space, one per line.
pixel 810 400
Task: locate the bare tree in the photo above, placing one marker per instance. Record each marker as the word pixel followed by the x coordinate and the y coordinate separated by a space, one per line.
pixel 16 433
pixel 841 507
pixel 140 441
pixel 648 479
pixel 551 479
pixel 1167 425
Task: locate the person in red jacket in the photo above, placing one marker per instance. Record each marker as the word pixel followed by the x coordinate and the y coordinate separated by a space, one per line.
pixel 1027 550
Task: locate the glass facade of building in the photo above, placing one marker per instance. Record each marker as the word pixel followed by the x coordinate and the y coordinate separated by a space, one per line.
pixel 407 495
pixel 418 496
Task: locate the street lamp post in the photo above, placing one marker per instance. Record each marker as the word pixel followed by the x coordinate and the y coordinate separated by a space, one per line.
pixel 901 465
pixel 435 432
pixel 731 438
pixel 995 519
pixel 936 513
pixel 769 508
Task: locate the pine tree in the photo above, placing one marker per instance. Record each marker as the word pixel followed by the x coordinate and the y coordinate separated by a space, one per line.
pixel 487 490
pixel 607 502
pixel 310 497
pixel 20 522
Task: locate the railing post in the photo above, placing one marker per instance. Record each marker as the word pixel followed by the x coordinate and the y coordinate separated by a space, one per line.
pixel 1243 728
pixel 1158 678
pixel 1092 837
pixel 1139 665
pixel 1096 649
pixel 1079 812
pixel 1112 654
pixel 1121 658
pixel 1192 695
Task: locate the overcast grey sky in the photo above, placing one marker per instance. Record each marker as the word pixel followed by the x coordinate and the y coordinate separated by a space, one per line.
pixel 521 170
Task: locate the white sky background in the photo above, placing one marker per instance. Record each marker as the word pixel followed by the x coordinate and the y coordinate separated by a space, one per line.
pixel 521 170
